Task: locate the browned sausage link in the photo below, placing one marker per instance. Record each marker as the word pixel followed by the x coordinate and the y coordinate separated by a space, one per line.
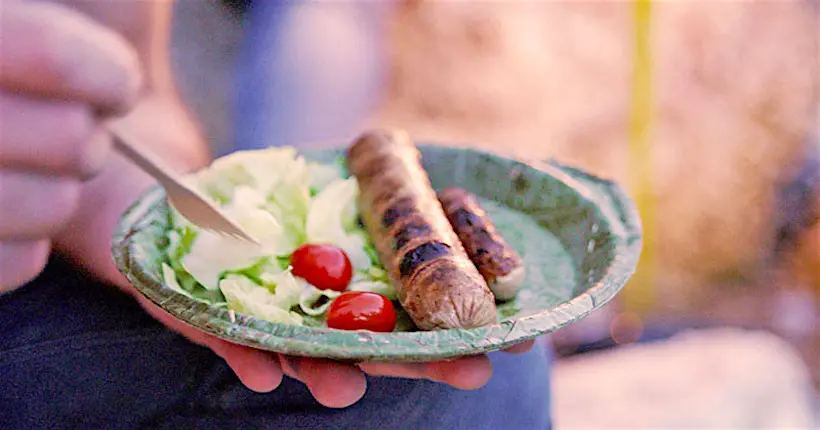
pixel 485 246
pixel 436 282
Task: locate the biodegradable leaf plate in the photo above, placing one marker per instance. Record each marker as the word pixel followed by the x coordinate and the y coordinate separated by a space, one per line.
pixel 580 238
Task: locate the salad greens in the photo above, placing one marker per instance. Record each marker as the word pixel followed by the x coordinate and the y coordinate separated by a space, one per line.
pixel 284 202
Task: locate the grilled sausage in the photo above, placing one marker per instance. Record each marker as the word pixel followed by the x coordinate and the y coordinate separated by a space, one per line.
pixel 436 282
pixel 497 262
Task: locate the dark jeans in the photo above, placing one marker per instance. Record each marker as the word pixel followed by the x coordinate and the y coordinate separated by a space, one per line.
pixel 77 354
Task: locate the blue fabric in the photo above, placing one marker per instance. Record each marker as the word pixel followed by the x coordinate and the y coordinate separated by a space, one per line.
pixel 303 81
pixel 76 354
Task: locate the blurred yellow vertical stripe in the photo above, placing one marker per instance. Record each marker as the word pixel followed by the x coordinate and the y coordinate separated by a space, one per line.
pixel 639 295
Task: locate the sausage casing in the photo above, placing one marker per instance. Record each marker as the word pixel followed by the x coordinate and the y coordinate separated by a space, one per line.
pixel 437 283
pixel 499 264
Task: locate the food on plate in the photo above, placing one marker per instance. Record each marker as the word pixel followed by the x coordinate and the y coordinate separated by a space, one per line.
pixel 437 284
pixel 311 246
pixel 498 263
pixel 362 310
pixel 337 250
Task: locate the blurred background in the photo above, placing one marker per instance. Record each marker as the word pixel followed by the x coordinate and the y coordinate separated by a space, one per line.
pixel 719 328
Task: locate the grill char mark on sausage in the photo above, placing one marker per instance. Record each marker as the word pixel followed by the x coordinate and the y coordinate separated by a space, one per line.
pixel 491 254
pixel 436 282
pixel 402 208
pixel 421 254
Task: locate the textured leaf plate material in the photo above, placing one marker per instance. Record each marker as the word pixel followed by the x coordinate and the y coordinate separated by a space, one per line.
pixel 580 238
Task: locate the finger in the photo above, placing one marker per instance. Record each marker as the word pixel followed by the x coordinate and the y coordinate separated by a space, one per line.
pixel 34 206
pixel 59 138
pixel 258 370
pixel 55 52
pixel 466 373
pixel 521 348
pixel 20 262
pixel 333 384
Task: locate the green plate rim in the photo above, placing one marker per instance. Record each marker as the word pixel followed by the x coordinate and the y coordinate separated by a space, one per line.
pixel 367 346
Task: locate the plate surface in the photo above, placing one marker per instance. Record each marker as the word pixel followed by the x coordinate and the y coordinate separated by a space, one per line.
pixel 580 237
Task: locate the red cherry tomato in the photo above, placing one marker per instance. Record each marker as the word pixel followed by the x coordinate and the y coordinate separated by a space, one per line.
pixel 326 267
pixel 362 310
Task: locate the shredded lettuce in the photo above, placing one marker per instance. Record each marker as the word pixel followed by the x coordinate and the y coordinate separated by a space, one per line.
pixel 290 203
pixel 314 302
pixel 184 284
pixel 248 298
pixel 256 271
pixel 333 218
pixel 370 250
pixel 179 245
pixel 169 276
pixel 333 212
pixel 284 202
pixel 383 288
pixel 285 287
pixel 321 175
pixel 212 254
pixel 260 169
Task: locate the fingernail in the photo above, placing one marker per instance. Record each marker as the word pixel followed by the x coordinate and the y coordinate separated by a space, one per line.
pixel 291 365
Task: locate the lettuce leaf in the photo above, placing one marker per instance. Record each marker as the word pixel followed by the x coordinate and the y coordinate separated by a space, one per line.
pixel 248 298
pixel 333 219
pixel 384 288
pixel 315 302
